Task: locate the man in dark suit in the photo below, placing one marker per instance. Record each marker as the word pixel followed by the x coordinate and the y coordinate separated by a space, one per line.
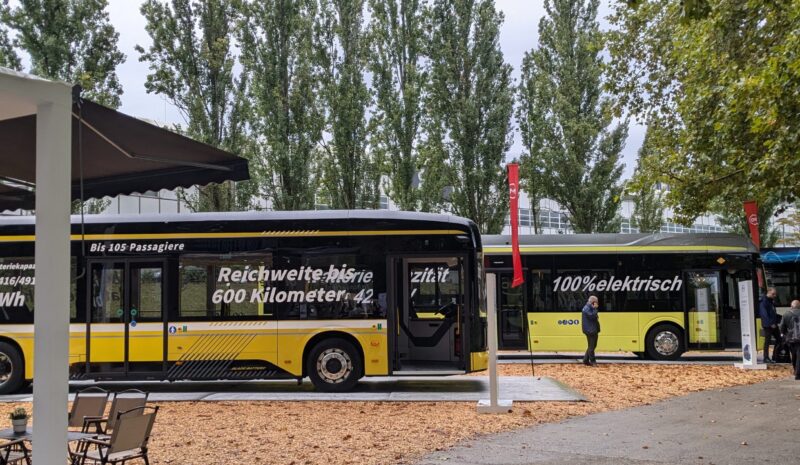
pixel 769 322
pixel 590 324
pixel 788 328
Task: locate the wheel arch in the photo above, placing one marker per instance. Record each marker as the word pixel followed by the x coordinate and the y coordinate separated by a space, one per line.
pixel 659 321
pixel 319 337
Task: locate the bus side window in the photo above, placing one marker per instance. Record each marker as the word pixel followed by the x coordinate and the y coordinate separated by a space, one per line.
pixel 432 286
pixel 572 289
pixel 541 291
pixel 223 287
pixel 649 296
pixel 348 286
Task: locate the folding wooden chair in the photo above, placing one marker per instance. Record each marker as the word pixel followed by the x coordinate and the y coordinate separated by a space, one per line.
pixel 128 440
pixel 124 401
pixel 14 452
pixel 90 402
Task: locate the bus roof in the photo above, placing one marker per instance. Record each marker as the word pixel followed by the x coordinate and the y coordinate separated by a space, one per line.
pixel 252 224
pixel 621 243
pixel 312 215
pixel 780 255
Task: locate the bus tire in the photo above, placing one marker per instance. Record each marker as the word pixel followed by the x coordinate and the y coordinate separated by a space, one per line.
pixel 334 365
pixel 12 369
pixel 664 342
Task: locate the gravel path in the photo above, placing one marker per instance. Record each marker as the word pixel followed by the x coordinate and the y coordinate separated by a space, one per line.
pixel 383 433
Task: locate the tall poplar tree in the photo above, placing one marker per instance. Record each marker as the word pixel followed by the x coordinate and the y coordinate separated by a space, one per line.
pixel 531 181
pixel 192 64
pixel 648 205
pixel 278 54
pixel 565 119
pixel 8 57
pixel 72 41
pixel 470 105
pixel 399 77
pixel 351 174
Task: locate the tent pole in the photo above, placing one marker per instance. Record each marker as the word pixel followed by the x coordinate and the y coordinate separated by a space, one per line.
pixel 493 404
pixel 51 293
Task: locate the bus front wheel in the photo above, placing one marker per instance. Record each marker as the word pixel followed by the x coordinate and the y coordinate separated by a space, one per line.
pixel 11 369
pixel 664 342
pixel 334 365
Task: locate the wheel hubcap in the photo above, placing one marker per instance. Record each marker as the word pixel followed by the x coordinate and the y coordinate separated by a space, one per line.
pixel 6 367
pixel 666 343
pixel 334 366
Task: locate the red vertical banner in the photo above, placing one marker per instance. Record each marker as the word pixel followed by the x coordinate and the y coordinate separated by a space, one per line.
pixel 513 196
pixel 751 213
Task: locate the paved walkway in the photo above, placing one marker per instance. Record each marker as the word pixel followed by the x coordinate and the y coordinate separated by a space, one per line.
pixel 392 389
pixel 742 425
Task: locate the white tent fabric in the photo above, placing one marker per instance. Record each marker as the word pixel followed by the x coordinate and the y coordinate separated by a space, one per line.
pixel 22 94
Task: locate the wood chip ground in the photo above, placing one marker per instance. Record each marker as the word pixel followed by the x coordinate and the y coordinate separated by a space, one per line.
pixel 381 433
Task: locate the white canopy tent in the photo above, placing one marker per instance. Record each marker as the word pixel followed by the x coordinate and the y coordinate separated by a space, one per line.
pixel 38 159
pixel 51 102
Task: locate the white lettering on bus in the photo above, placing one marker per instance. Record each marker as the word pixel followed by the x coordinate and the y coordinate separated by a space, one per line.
pixel 591 283
pixel 12 299
pixel 429 275
pixel 273 294
pixel 136 247
pixel 335 274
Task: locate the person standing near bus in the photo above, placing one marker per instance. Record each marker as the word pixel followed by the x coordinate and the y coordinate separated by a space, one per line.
pixel 769 322
pixel 590 324
pixel 788 327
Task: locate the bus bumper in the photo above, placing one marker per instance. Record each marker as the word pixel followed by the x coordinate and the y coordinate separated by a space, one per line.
pixel 479 361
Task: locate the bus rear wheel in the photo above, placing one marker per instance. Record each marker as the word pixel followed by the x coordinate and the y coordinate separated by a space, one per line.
pixel 664 342
pixel 334 365
pixel 11 369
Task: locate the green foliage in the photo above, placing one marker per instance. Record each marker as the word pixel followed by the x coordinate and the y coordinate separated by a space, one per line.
pixel 19 413
pixel 648 208
pixel 690 9
pixel 351 174
pixel 399 78
pixel 8 56
pixel 531 180
pixel 227 196
pixel 278 53
pixel 469 105
pixel 191 63
pixel 91 206
pixel 72 41
pixel 731 215
pixel 722 89
pixel 792 221
pixel 572 155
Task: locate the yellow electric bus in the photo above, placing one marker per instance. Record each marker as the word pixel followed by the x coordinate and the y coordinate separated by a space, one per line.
pixel 660 294
pixel 333 295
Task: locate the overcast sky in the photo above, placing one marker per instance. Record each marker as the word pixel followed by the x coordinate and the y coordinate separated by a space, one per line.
pixel 519 34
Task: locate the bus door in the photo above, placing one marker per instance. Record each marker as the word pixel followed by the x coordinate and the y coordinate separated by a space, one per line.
pixel 511 309
pixel 126 317
pixel 704 309
pixel 731 326
pixel 731 316
pixel 430 295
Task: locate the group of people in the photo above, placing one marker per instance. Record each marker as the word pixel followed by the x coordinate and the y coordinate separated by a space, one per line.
pixel 784 330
